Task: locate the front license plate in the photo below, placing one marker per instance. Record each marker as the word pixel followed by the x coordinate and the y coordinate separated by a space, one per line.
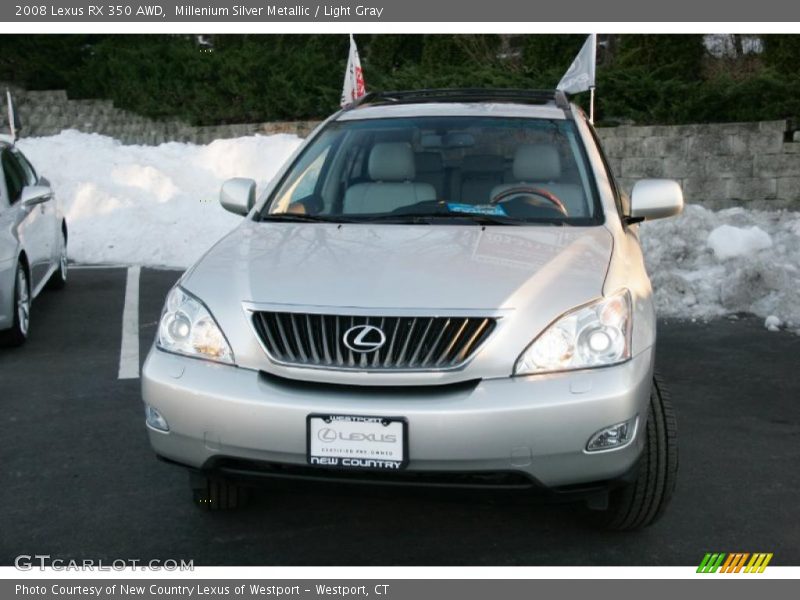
pixel 357 442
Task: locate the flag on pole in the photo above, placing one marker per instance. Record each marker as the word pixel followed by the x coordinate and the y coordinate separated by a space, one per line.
pixel 354 86
pixel 580 75
pixel 14 123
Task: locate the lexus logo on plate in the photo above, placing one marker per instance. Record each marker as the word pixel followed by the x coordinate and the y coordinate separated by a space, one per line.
pixel 364 338
pixel 326 435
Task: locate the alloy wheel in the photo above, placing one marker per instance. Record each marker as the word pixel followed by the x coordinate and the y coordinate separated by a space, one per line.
pixel 23 301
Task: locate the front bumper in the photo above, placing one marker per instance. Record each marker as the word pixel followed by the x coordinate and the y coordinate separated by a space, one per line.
pixel 535 426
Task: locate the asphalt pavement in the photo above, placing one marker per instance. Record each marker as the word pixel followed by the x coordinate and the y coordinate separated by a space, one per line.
pixel 78 479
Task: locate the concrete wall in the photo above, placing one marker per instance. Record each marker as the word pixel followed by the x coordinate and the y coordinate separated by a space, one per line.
pixel 717 164
pixel 49 112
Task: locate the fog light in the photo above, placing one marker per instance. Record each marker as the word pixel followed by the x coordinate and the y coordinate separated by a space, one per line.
pixel 154 418
pixel 614 436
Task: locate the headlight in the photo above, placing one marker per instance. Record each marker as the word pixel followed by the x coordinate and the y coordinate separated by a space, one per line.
pixel 595 335
pixel 186 327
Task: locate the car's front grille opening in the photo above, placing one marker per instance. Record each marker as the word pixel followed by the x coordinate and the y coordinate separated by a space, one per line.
pixel 508 480
pixel 373 392
pixel 371 343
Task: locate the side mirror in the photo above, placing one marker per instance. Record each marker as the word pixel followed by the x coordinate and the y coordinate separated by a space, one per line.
pixel 35 194
pixel 655 199
pixel 238 195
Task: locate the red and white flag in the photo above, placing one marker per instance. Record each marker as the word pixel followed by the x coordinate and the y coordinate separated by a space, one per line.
pixel 353 87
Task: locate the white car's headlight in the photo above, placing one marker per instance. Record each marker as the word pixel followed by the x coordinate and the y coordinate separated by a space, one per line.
pixel 594 335
pixel 187 327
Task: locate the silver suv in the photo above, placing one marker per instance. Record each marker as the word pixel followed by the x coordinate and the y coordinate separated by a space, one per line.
pixel 441 287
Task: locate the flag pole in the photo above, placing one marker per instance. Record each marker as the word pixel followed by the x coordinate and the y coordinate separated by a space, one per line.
pixel 591 89
pixel 12 117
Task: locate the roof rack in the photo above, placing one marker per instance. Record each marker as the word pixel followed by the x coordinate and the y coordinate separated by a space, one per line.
pixel 519 96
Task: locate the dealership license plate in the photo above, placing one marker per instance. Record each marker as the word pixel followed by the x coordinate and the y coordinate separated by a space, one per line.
pixel 357 442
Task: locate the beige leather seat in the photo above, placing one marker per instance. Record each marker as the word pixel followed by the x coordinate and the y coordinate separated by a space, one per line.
pixel 391 168
pixel 539 165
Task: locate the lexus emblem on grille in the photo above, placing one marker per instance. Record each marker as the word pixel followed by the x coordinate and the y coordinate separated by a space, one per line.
pixel 364 338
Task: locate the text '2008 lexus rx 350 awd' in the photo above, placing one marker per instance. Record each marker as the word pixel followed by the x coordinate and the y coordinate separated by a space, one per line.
pixel 440 287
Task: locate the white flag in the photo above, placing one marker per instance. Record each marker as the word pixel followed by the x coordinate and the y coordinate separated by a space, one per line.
pixel 580 75
pixel 353 87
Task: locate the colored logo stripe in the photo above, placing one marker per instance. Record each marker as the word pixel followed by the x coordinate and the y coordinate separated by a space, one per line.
pixel 710 563
pixel 734 562
pixel 758 563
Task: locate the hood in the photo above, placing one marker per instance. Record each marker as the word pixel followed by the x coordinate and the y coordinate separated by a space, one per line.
pixel 397 266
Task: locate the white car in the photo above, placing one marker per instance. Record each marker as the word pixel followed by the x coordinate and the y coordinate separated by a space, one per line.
pixel 33 242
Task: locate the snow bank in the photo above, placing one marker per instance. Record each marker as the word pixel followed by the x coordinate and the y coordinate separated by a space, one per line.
pixel 158 206
pixel 728 241
pixel 149 205
pixel 705 264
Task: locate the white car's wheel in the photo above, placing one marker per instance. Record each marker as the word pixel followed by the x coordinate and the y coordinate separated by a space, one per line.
pixel 22 309
pixel 59 279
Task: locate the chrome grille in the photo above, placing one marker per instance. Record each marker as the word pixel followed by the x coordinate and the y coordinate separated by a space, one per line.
pixel 411 343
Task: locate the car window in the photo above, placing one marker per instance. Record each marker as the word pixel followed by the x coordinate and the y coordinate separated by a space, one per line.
pixel 518 169
pixel 31 178
pixel 14 176
pixel 304 184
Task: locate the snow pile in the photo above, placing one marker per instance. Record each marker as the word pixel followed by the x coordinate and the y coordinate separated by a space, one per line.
pixel 705 264
pixel 148 205
pixel 772 323
pixel 728 241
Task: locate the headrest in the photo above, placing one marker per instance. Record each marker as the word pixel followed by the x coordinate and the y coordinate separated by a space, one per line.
pixel 537 162
pixel 428 162
pixel 483 163
pixel 391 161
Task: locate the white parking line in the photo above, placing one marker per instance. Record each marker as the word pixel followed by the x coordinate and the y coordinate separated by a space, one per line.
pixel 129 350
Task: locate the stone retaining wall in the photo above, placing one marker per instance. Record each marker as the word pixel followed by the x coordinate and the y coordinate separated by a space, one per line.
pixel 717 164
pixel 50 112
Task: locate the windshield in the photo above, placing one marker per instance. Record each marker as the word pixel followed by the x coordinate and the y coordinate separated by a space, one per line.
pixel 448 169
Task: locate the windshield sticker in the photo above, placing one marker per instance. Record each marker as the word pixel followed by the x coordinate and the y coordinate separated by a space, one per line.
pixel 477 209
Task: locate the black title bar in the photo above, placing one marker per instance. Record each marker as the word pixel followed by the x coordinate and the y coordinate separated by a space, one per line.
pixel 264 11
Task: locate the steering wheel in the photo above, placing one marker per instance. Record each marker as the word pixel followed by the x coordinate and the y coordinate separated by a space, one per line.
pixel 532 193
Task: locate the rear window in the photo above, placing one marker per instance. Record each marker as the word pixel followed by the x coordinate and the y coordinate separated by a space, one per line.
pixel 14 175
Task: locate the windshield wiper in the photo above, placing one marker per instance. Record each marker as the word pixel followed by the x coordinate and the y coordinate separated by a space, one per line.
pixel 484 219
pixel 301 218
pixel 430 217
pixel 416 218
pixel 426 218
pixel 480 218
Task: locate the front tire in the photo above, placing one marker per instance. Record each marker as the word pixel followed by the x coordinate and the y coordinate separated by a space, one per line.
pixel 58 280
pixel 643 501
pixel 18 333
